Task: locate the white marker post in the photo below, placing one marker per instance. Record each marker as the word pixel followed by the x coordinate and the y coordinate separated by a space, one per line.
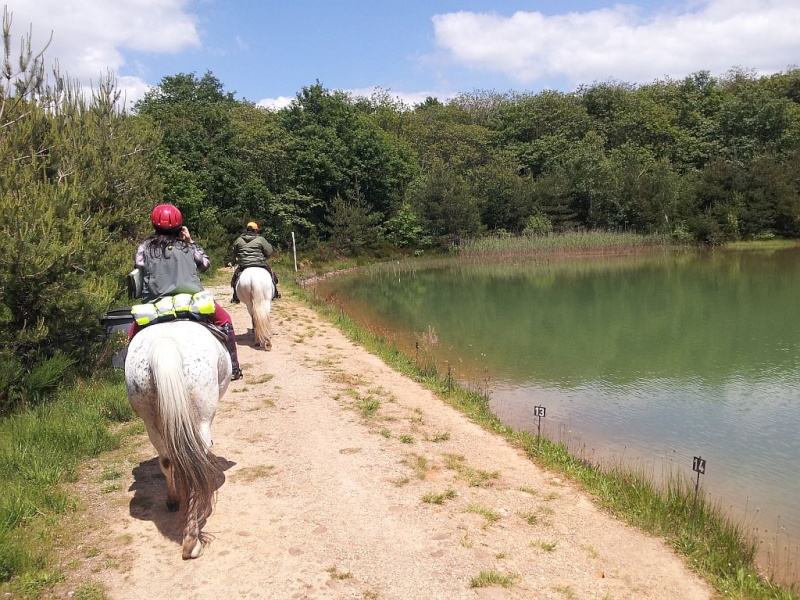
pixel 294 251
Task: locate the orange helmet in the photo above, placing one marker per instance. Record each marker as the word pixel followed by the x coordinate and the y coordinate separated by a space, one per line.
pixel 166 217
pixel 252 226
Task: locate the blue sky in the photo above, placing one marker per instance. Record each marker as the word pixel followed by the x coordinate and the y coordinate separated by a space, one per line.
pixel 267 51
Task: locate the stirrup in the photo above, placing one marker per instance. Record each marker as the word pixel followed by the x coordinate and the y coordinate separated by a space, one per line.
pixel 236 374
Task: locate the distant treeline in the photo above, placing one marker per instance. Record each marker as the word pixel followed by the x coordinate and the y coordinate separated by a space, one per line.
pixel 700 159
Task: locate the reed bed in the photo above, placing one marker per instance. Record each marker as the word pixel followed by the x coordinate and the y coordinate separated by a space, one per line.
pixel 577 242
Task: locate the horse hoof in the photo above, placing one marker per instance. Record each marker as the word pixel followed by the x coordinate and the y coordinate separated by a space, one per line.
pixel 195 552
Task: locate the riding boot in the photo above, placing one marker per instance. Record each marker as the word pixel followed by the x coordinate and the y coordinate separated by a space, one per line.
pixel 230 344
pixel 275 294
pixel 234 280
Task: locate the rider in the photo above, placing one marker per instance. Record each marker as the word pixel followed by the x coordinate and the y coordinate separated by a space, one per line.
pixel 252 250
pixel 170 262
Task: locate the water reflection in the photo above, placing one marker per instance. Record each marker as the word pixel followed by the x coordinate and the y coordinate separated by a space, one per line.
pixel 656 358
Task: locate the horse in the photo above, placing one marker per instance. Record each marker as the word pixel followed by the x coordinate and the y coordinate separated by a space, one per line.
pixel 255 288
pixel 175 373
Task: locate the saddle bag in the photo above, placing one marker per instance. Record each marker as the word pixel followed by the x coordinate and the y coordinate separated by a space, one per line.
pixel 181 306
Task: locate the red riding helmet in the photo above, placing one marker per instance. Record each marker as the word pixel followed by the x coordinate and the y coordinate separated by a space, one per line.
pixel 166 217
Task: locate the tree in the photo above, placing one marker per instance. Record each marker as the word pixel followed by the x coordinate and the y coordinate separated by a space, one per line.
pixel 446 206
pixel 76 185
pixel 339 151
pixel 195 118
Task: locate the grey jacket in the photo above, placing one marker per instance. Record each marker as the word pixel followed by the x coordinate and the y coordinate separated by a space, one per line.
pixel 178 272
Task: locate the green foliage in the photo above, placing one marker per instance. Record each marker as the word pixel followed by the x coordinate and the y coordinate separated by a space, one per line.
pixel 74 180
pixel 446 205
pixel 538 225
pixel 404 229
pixel 611 155
pixel 352 228
pixel 40 449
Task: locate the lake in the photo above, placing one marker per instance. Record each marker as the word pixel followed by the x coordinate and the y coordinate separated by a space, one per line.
pixel 651 359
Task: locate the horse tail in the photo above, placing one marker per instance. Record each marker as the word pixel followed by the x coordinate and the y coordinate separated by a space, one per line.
pixel 193 472
pixel 262 299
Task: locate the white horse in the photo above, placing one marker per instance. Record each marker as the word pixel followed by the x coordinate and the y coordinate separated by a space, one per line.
pixel 176 373
pixel 256 289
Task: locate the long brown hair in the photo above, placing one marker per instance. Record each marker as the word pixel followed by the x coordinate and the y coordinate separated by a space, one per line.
pixel 157 244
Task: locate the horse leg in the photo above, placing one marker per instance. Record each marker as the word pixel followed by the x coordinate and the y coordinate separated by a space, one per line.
pixel 173 502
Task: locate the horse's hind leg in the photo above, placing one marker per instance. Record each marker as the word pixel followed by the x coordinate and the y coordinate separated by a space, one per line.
pixel 173 502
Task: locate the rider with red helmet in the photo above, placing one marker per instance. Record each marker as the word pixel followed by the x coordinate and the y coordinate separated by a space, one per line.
pixel 171 263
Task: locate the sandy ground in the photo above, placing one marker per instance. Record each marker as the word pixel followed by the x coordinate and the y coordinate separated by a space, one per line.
pixel 320 501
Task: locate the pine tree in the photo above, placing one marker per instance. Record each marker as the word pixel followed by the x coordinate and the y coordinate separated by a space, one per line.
pixel 75 190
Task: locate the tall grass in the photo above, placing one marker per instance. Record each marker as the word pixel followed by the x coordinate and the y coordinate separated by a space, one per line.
pixel 713 545
pixel 596 242
pixel 40 450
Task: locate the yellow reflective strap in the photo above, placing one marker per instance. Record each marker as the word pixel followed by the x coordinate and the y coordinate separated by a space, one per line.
pixel 143 314
pixel 182 302
pixel 203 303
pixel 165 308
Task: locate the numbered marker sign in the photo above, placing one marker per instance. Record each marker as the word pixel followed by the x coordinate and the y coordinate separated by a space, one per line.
pixel 699 465
pixel 539 411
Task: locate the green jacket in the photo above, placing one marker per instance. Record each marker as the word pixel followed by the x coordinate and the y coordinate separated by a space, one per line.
pixel 251 250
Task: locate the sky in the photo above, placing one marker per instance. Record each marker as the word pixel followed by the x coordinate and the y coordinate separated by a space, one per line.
pixel 266 51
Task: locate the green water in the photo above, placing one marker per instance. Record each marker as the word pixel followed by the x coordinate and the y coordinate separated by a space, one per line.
pixel 650 359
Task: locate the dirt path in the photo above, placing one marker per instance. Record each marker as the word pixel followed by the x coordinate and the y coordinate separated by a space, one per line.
pixel 323 499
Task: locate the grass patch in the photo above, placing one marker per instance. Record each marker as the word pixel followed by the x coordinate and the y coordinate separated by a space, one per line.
pixel 565 590
pixel 434 498
pixel 488 578
pixel 90 591
pixel 543 545
pixel 474 477
pixel 250 474
pixel 487 513
pixel 418 463
pixel 41 449
pixel 335 574
pixel 366 405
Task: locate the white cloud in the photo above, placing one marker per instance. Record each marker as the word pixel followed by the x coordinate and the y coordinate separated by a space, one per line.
pixel 275 103
pixel 623 43
pixel 89 36
pixel 407 98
